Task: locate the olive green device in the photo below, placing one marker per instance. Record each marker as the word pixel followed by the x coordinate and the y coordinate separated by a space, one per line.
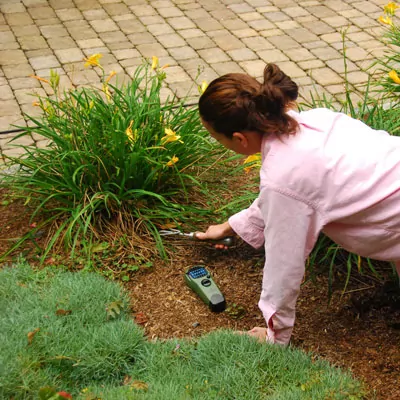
pixel 200 281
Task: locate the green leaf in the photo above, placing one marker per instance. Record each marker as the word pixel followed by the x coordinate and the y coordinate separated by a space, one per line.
pixel 114 308
pixel 236 311
pixel 99 247
pixel 47 392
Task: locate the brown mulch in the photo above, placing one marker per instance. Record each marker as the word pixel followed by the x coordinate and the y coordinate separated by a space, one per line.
pixel 359 330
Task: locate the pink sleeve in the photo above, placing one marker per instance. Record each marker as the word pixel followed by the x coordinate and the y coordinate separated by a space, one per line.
pixel 292 230
pixel 249 225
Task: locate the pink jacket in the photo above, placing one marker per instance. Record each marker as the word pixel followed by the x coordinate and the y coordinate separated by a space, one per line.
pixel 336 175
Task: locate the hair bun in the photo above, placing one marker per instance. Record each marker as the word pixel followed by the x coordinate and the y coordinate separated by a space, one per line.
pixel 276 91
pixel 274 75
pixel 269 100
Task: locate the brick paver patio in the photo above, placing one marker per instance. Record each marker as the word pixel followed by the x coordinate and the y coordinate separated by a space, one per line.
pixel 220 36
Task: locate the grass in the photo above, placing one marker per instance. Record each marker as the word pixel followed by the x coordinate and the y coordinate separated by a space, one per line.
pixel 72 337
pixel 73 332
pixel 223 365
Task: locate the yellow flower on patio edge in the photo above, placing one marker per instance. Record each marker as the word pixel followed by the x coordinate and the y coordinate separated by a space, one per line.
pixel 394 77
pixel 390 8
pixel 93 60
pixel 154 64
pixel 112 73
pixel 255 159
pixel 172 162
pixel 170 136
pixel 45 107
pixel 203 87
pixel 385 20
pixel 40 79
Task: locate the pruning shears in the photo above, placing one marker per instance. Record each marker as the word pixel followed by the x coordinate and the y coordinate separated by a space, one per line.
pixel 227 241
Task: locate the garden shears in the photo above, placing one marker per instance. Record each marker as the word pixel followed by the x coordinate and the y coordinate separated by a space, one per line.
pixel 227 241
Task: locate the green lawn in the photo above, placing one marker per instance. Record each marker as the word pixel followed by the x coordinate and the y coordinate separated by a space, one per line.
pixel 73 332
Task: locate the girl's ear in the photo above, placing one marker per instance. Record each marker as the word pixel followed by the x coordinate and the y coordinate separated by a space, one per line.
pixel 241 139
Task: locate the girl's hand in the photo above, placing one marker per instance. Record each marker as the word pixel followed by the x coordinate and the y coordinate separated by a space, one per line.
pixel 215 232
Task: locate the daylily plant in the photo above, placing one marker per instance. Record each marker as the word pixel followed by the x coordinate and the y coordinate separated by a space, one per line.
pixel 113 150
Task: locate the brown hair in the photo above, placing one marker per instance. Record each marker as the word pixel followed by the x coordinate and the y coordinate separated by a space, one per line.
pixel 237 102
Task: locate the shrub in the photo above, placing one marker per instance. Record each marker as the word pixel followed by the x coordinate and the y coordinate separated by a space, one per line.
pixel 115 154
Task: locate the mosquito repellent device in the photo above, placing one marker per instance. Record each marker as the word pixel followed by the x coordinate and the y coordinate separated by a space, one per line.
pixel 200 281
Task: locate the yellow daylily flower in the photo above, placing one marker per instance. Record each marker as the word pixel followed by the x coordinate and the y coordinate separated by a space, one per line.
pixel 255 159
pixel 39 79
pixel 112 73
pixel 203 87
pixel 390 8
pixel 172 162
pixel 93 60
pixel 131 135
pixel 394 77
pixel 169 131
pixel 36 104
pixel 107 92
pixel 252 158
pixel 164 66
pixel 170 136
pixel 385 20
pixel 154 64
